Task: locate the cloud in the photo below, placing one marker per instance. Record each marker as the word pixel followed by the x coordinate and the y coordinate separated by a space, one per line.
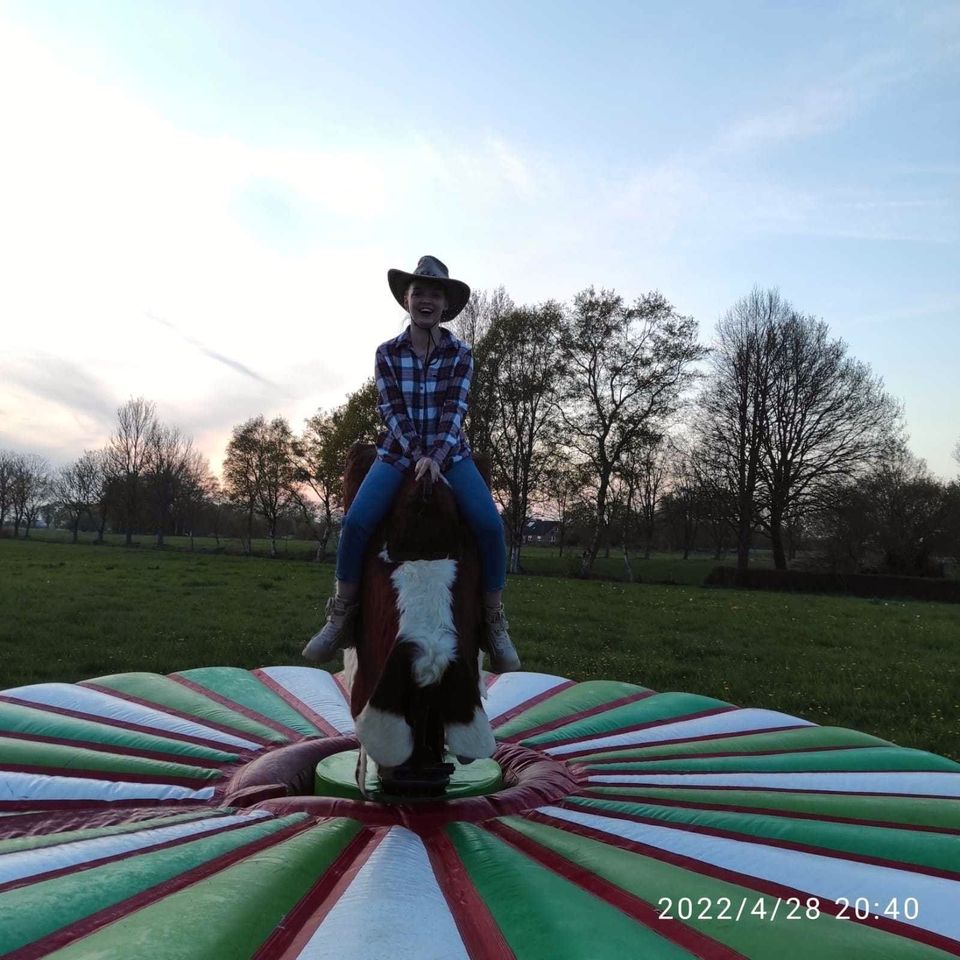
pixel 229 362
pixel 62 382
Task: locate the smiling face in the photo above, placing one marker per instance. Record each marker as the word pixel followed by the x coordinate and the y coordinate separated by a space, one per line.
pixel 426 302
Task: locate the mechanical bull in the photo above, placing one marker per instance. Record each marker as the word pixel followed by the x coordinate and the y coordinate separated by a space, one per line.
pixel 414 674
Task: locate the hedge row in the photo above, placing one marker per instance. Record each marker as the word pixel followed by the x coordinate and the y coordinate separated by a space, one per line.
pixel 852 584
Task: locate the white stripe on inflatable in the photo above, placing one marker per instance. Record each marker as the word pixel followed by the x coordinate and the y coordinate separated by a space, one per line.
pixel 28 863
pixel 734 721
pixel 84 700
pixel 318 690
pixel 512 689
pixel 828 878
pixel 33 786
pixel 932 783
pixel 394 908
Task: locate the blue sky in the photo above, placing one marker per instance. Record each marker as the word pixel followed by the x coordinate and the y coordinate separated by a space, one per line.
pixel 201 200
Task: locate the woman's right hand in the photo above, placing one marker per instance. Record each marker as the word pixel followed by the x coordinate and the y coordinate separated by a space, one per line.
pixel 423 465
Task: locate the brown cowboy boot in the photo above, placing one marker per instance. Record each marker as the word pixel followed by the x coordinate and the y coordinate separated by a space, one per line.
pixel 337 632
pixel 503 654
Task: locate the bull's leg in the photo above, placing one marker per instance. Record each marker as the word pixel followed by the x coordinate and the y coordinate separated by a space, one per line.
pixel 467 728
pixel 382 725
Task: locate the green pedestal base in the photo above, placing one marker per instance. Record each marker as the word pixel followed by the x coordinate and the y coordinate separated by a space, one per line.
pixel 336 777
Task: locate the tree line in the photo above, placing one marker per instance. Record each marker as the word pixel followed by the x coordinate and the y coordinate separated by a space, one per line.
pixel 606 414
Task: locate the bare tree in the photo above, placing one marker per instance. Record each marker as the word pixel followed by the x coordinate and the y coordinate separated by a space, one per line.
pixel 518 372
pixel 7 461
pixel 30 489
pixel 77 487
pixel 734 406
pixel 827 417
pixel 127 455
pixel 626 369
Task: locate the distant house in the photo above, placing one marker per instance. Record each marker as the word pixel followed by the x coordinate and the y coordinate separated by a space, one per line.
pixel 541 531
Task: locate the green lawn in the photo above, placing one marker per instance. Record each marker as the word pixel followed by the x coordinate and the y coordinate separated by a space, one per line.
pixel 891 669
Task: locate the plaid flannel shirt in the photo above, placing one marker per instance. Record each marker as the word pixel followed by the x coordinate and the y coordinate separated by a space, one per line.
pixel 423 411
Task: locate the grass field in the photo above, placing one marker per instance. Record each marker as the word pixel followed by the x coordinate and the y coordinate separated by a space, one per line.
pixel 535 560
pixel 891 669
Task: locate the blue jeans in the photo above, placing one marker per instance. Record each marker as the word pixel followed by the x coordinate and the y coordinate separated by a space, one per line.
pixel 375 497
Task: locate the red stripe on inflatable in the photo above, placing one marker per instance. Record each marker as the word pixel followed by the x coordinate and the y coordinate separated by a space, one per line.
pixel 690 939
pixel 48 823
pixel 113 776
pixel 579 715
pixel 338 677
pixel 260 718
pixel 138 727
pixel 308 713
pixel 633 728
pixel 83 928
pixel 123 855
pixel 768 842
pixel 118 750
pixel 767 887
pixel 713 756
pixel 490 679
pixel 762 811
pixel 140 702
pixel 762 789
pixel 531 702
pixel 294 931
pixel 481 936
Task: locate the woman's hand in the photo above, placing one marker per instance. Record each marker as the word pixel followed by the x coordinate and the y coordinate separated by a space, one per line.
pixel 423 465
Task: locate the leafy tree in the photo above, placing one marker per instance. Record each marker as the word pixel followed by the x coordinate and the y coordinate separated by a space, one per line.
pixel 260 471
pixel 517 376
pixel 320 454
pixel 625 370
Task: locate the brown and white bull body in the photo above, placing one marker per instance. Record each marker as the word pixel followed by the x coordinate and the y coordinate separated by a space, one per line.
pixel 415 674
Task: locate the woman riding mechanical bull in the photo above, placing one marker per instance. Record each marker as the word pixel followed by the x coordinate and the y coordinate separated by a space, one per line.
pixel 423 379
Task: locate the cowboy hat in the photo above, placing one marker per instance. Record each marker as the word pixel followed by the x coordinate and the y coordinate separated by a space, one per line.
pixel 430 268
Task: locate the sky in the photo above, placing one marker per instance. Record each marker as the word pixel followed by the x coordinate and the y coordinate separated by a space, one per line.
pixel 199 201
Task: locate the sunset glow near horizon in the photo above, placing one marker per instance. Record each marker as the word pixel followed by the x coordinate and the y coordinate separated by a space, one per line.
pixel 199 203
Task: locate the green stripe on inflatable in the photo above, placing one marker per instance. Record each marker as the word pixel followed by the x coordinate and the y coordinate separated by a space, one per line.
pixel 36 722
pixel 661 706
pixel 783 938
pixel 798 738
pixel 164 692
pixel 941 850
pixel 581 696
pixel 919 811
pixel 35 754
pixel 547 917
pixel 868 758
pixel 244 688
pixel 39 909
pixel 228 915
pixel 69 836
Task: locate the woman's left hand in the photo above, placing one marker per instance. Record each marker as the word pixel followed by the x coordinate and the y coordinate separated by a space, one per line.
pixel 423 465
